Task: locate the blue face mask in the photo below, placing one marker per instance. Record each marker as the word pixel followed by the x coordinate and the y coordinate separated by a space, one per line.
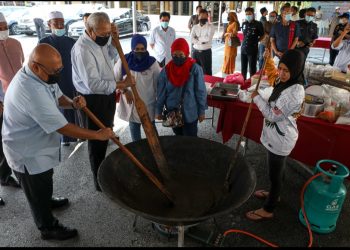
pixel 288 17
pixel 164 24
pixel 59 32
pixel 309 18
pixel 249 18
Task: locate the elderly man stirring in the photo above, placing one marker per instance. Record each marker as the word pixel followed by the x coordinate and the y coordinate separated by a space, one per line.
pixel 31 128
pixel 93 77
pixel 64 45
pixel 11 60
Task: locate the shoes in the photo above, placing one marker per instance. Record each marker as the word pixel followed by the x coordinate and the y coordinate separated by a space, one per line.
pixel 10 182
pixel 59 232
pixel 57 202
pixel 2 202
pixel 256 215
pixel 263 194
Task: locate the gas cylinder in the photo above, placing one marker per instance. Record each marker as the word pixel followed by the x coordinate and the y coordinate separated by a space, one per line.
pixel 324 197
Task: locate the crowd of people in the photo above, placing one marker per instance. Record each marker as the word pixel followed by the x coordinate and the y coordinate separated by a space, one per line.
pixel 42 101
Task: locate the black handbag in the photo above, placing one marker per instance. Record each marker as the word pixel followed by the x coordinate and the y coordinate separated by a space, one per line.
pixel 235 42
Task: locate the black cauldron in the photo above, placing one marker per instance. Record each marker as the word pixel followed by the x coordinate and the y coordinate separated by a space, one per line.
pixel 198 170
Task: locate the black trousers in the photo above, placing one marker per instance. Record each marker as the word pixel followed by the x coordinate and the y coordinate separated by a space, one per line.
pixel 204 59
pixel 38 191
pixel 276 164
pixel 332 55
pixel 252 60
pixel 5 170
pixel 103 107
pixel 306 51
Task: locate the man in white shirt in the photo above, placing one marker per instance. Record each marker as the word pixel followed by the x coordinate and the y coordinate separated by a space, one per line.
pixel 161 39
pixel 202 37
pixel 342 44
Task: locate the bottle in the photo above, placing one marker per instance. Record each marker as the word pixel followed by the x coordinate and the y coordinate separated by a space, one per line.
pixel 333 171
pixel 348 74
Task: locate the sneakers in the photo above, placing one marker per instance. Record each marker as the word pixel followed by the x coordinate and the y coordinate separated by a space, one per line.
pixel 58 232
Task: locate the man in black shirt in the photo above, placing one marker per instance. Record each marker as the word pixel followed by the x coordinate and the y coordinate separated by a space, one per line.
pixel 308 32
pixel 253 32
pixel 343 21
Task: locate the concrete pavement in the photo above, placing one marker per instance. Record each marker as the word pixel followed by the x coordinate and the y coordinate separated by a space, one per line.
pixel 102 223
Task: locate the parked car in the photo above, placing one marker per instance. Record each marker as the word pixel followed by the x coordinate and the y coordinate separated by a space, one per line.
pixel 122 17
pixel 12 15
pixel 71 14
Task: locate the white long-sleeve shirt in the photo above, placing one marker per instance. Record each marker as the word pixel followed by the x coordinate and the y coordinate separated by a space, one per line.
pixel 280 132
pixel 92 67
pixel 343 58
pixel 202 36
pixel 146 85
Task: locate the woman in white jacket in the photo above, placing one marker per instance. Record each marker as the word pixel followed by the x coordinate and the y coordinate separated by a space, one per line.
pixel 280 132
pixel 146 70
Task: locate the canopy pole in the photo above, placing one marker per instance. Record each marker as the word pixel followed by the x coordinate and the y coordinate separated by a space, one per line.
pixel 134 22
pixel 220 4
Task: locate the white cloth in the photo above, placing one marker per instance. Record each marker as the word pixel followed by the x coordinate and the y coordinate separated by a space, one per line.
pixel 224 17
pixel 343 58
pixel 162 41
pixel 202 36
pixel 2 18
pixel 55 14
pixel 146 85
pixel 280 132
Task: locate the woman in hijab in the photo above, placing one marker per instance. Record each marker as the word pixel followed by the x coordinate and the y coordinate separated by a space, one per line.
pixel 182 80
pixel 146 71
pixel 230 51
pixel 280 132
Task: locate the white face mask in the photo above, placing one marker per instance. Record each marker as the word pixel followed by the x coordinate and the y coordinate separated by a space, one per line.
pixel 4 34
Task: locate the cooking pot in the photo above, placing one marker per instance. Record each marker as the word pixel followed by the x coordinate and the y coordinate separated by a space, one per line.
pixel 197 182
pixel 313 108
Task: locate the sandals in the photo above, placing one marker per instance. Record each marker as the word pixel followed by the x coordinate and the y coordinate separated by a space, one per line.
pixel 263 194
pixel 255 216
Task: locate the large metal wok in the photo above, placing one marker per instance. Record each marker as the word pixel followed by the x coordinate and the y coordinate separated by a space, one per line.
pixel 198 169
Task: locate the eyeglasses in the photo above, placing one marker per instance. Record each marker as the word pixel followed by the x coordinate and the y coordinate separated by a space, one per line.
pixel 45 69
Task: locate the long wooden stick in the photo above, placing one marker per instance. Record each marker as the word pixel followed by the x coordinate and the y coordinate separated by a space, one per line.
pixel 150 131
pixel 124 149
pixel 233 162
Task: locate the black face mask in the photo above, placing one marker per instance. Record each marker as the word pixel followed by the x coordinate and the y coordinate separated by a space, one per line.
pixel 101 40
pixel 203 21
pixel 53 78
pixel 140 55
pixel 179 60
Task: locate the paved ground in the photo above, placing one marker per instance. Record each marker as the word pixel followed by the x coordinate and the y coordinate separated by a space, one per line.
pixel 101 222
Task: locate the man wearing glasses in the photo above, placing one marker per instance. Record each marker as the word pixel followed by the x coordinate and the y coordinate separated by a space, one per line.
pixel 64 45
pixel 93 77
pixel 31 127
